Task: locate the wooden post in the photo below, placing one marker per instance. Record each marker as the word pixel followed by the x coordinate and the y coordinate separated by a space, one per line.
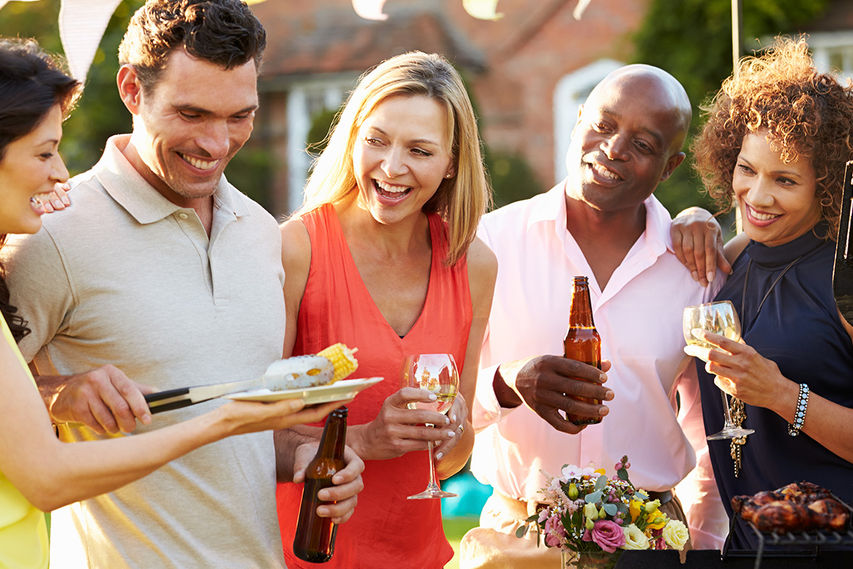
pixel 736 43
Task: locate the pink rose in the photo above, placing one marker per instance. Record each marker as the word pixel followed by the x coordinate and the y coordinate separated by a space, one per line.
pixel 555 533
pixel 607 535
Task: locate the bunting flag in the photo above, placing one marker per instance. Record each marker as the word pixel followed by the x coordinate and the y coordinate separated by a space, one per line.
pixel 579 9
pixel 81 27
pixel 482 9
pixel 370 9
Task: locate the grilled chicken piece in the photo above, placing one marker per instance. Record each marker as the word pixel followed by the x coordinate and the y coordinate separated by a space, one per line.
pixel 795 507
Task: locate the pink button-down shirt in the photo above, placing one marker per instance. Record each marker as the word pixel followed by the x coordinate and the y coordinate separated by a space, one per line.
pixel 638 315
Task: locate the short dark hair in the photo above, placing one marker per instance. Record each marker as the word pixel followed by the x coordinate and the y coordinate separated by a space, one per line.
pixel 223 32
pixel 31 84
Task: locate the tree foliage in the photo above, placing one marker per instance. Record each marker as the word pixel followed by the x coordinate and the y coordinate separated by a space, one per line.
pixel 692 40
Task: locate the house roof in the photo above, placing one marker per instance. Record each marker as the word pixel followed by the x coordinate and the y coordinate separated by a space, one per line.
pixel 837 17
pixel 333 40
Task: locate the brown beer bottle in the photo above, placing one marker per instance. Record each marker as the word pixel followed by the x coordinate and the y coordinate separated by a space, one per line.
pixel 315 536
pixel 582 341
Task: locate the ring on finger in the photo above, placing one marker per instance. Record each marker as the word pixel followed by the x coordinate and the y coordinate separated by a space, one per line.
pixel 461 429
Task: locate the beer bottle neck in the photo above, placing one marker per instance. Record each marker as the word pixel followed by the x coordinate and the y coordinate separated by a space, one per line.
pixel 580 314
pixel 334 435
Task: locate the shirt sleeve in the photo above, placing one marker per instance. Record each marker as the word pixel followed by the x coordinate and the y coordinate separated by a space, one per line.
pixel 39 287
pixel 698 492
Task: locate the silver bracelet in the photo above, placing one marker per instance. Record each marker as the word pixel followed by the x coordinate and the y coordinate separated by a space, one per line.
pixel 800 411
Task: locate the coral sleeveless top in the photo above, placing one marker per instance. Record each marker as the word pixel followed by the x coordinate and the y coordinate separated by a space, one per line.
pixel 386 530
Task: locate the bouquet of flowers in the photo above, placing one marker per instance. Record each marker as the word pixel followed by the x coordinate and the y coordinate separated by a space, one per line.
pixel 585 511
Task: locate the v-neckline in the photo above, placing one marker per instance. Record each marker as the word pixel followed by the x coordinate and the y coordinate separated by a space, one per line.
pixel 374 307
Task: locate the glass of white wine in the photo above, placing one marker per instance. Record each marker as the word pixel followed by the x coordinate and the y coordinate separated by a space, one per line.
pixel 436 373
pixel 719 318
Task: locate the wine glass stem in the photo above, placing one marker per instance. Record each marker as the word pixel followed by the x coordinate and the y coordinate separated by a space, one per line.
pixel 727 413
pixel 433 482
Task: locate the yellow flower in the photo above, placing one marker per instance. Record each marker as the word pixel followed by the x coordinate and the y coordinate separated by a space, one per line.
pixel 656 520
pixel 634 508
pixel 675 534
pixel 600 471
pixel 651 506
pixel 634 538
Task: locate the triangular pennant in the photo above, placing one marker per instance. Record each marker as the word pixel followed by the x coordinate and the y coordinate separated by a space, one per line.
pixel 482 9
pixel 370 9
pixel 81 27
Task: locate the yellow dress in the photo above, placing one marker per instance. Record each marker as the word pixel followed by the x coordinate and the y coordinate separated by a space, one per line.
pixel 23 532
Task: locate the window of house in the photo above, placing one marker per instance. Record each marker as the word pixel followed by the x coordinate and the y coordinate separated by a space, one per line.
pixel 833 52
pixel 304 100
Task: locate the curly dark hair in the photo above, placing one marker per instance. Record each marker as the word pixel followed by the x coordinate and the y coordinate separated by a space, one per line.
pixel 224 32
pixel 31 84
pixel 807 113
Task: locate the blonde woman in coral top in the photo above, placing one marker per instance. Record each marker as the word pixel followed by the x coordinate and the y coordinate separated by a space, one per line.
pixel 383 256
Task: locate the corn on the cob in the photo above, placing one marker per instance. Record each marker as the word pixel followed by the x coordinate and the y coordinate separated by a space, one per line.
pixel 342 358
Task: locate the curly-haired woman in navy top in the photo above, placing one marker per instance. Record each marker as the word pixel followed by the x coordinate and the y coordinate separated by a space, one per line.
pixel 775 144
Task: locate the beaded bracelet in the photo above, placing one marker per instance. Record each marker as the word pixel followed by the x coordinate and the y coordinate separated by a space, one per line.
pixel 800 412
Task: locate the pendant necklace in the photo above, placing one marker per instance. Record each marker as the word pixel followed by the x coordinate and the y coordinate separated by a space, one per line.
pixel 738 410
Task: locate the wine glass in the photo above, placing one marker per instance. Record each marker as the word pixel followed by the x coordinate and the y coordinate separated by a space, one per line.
pixel 438 374
pixel 720 318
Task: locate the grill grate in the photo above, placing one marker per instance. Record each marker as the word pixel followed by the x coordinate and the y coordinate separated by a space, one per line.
pixel 808 542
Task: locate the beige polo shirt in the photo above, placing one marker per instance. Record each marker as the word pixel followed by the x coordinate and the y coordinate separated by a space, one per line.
pixel 127 277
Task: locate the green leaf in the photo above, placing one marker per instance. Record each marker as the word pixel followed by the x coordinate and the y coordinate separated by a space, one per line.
pixel 601 482
pixel 593 498
pixel 611 509
pixel 521 531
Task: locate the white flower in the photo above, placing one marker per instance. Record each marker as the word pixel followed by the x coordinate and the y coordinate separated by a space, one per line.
pixel 634 538
pixel 553 493
pixel 675 534
pixel 570 472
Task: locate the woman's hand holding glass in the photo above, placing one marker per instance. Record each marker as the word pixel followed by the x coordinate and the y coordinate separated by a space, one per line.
pixel 743 373
pixel 397 429
pixel 719 318
pixel 438 375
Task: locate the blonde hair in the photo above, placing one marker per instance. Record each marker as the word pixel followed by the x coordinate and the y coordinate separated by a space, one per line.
pixel 461 199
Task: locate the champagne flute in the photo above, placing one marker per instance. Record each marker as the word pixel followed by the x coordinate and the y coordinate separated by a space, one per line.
pixel 436 373
pixel 720 318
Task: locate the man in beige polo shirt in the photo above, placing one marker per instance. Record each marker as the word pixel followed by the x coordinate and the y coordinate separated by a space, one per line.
pixel 165 270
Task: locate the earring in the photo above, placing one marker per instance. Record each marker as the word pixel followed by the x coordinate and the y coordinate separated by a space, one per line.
pixel 448 175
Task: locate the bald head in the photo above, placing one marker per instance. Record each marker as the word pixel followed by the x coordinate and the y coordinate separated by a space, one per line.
pixel 668 93
pixel 627 140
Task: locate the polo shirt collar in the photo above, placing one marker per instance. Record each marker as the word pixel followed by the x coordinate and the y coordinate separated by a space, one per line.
pixel 552 208
pixel 127 187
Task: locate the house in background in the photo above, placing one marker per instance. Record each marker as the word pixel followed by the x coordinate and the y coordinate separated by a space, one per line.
pixel 527 71
pixel 831 39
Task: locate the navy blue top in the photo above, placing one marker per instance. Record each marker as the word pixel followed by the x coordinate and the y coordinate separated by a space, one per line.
pixel 799 328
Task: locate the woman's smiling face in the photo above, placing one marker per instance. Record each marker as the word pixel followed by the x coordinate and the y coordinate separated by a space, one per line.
pixel 402 154
pixel 777 200
pixel 30 166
